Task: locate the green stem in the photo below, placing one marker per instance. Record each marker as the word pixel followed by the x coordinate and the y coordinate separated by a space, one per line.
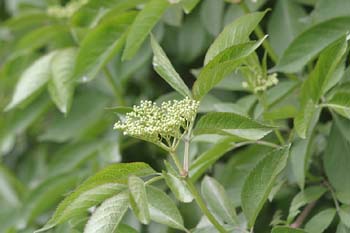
pixel 177 162
pixel 260 34
pixel 117 92
pixel 203 206
pixel 154 179
pixel 334 196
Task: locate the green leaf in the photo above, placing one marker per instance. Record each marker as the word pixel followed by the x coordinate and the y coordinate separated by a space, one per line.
pixel 298 159
pixel 336 160
pixel 325 9
pixel 209 157
pixel 212 15
pixel 235 33
pixel 178 187
pixel 225 123
pixel 221 65
pixel 320 222
pixel 306 119
pixel 344 214
pixel 89 104
pixel 304 197
pixel 32 80
pixel 162 209
pixel 108 215
pixel 340 102
pixel 142 26
pixel 260 181
pixel 309 43
pixel 47 195
pixel 61 85
pixel 218 200
pixel 322 77
pixel 69 157
pixel 43 36
pixel 100 45
pixel 285 24
pixel 11 189
pixel 342 228
pixel 189 5
pixel 138 199
pixel 163 67
pixel 287 230
pixel 122 228
pixel 104 184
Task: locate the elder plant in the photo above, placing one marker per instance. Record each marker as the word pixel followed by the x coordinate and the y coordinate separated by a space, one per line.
pixel 258 141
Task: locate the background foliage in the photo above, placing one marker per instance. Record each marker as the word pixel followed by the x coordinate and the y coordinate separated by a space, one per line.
pixel 69 69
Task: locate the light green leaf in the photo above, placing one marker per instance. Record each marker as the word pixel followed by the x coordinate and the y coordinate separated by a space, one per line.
pixel 340 102
pixel 138 199
pixel 309 43
pixel 235 33
pixel 100 45
pixel 325 9
pixel 260 181
pixel 218 200
pixel 163 67
pixel 287 230
pixel 221 65
pixel 225 123
pixel 285 24
pixel 61 85
pixel 104 184
pixel 142 26
pixel 320 222
pixel 32 80
pixel 162 209
pixel 306 118
pixel 108 215
pixel 209 157
pixel 178 187
pixel 189 5
pixel 336 160
pixel 212 15
pixel 344 214
pixel 304 197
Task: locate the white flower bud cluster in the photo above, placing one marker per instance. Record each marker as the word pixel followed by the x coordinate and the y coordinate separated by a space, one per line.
pixel 260 83
pixel 66 11
pixel 164 124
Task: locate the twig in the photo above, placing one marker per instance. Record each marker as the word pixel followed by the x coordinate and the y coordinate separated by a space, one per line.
pixel 301 218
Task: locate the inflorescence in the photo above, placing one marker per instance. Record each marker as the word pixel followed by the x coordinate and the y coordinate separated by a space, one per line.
pixel 162 125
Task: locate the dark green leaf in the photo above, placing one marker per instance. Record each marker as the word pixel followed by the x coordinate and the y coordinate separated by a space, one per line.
pixel 221 65
pixel 312 41
pixel 235 33
pixel 100 45
pixel 286 230
pixel 260 181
